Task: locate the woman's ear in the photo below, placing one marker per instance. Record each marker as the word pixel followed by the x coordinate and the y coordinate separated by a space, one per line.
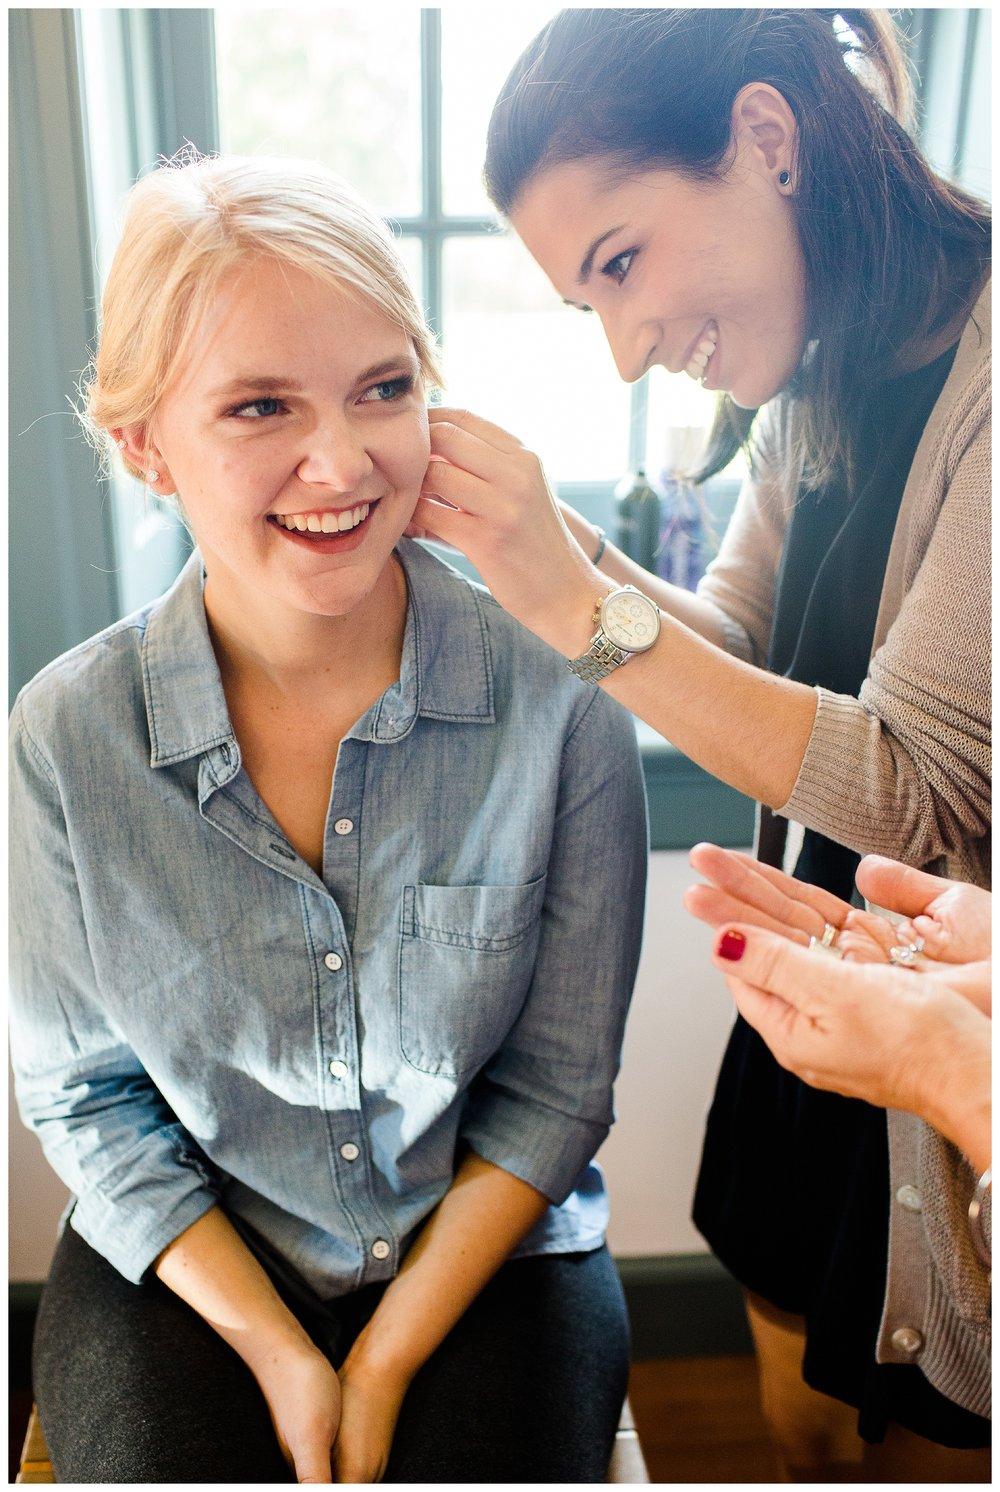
pixel 763 121
pixel 143 459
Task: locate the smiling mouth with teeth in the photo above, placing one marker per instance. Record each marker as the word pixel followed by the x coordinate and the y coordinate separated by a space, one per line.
pixel 703 353
pixel 323 523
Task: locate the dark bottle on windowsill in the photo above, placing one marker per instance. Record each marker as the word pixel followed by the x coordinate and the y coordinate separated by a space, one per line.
pixel 637 519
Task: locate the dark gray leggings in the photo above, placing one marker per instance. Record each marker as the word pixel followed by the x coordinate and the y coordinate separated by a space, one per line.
pixel 132 1385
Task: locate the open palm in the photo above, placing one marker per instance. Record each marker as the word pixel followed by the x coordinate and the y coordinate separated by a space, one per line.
pixel 741 889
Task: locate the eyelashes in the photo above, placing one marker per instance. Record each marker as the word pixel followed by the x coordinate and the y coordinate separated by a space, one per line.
pixel 238 412
pixel 397 386
pixel 386 391
pixel 618 267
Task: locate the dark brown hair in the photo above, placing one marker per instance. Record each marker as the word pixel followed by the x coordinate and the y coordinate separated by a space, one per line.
pixel 892 251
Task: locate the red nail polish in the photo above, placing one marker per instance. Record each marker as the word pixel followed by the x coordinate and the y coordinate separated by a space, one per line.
pixel 732 945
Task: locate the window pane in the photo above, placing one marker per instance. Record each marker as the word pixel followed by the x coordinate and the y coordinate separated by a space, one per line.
pixel 514 354
pixel 151 543
pixel 341 86
pixel 411 251
pixel 472 75
pixel 680 415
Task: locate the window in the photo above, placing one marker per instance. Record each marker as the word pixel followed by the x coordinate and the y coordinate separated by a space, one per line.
pixel 398 101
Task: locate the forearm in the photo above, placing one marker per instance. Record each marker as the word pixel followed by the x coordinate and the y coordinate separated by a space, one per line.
pixel 673 599
pixel 956 1091
pixel 745 726
pixel 478 1223
pixel 748 727
pixel 968 1128
pixel 210 1267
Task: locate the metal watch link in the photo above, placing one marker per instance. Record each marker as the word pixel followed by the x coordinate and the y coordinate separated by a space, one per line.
pixel 627 622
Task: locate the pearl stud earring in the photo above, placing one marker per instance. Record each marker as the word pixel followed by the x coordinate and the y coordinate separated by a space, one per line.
pixel 121 443
pixel 152 476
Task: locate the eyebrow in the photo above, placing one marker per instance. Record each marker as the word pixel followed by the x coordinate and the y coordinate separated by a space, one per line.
pixel 588 262
pixel 390 365
pixel 257 383
pixel 268 383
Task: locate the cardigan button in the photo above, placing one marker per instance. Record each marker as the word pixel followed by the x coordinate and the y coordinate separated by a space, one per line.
pixel 907 1339
pixel 910 1198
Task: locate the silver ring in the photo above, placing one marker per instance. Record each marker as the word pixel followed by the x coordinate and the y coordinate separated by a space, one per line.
pixel 817 945
pixel 829 935
pixel 905 955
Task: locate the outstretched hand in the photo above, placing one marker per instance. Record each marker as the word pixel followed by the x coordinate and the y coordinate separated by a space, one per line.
pixel 879 1034
pixel 741 889
pixel 952 918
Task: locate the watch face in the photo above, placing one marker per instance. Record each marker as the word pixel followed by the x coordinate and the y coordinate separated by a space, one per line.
pixel 630 620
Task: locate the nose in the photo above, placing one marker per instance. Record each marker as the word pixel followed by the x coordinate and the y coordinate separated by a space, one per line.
pixel 629 347
pixel 336 456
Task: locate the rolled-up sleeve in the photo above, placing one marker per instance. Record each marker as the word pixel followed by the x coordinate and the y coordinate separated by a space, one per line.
pixel 543 1105
pixel 138 1178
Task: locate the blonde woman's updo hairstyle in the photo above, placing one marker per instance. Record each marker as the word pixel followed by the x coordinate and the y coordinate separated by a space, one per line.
pixel 191 221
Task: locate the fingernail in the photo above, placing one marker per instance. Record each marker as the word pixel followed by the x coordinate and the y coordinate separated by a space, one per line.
pixel 732 945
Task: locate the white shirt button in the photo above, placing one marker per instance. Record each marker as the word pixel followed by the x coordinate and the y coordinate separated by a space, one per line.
pixel 910 1198
pixel 907 1339
pixel 338 1069
pixel 380 1249
pixel 350 1151
pixel 334 961
pixel 343 826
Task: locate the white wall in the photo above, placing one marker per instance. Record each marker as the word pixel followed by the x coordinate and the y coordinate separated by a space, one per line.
pixel 677 1031
pixel 680 1019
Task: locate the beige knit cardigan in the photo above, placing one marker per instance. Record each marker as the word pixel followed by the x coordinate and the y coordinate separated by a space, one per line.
pixel 904 770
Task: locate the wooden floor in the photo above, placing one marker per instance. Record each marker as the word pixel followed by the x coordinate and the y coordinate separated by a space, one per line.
pixel 698 1420
pixel 20 1408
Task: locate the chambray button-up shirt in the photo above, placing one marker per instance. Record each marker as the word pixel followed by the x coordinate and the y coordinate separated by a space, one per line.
pixel 197 1017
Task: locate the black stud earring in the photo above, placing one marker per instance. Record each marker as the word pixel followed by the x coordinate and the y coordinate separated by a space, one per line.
pixel 783 178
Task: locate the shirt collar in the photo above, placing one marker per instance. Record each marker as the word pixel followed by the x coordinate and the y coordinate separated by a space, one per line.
pixel 446 670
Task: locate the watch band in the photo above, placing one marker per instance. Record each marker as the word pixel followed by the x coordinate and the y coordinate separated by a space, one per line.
pixel 600 659
pixel 603 656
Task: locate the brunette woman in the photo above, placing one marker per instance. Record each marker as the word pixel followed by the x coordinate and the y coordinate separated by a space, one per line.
pixel 736 193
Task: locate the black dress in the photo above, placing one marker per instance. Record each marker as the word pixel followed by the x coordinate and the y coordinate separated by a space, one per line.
pixel 793 1192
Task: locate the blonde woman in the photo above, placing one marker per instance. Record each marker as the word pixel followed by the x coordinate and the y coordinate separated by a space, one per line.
pixel 322 1048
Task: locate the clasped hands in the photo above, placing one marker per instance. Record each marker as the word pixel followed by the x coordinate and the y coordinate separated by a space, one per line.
pixel 331 1427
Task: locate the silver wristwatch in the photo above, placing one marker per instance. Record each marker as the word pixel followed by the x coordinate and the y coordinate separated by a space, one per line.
pixel 627 622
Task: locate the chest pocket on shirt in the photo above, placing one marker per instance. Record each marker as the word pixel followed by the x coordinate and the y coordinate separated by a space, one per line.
pixel 466 957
